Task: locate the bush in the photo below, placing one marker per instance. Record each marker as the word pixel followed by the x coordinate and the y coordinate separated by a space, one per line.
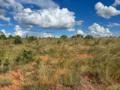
pixel 77 36
pixel 10 37
pixel 88 37
pixel 31 38
pixel 63 37
pixel 24 57
pixel 17 40
pixel 3 37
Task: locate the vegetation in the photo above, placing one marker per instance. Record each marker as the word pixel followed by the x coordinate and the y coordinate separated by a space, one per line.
pixel 62 63
pixel 5 82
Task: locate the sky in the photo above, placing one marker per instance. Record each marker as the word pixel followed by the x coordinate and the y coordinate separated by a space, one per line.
pixel 53 18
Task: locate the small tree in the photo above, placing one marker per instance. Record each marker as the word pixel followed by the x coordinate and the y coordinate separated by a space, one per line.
pixel 77 36
pixel 89 37
pixel 63 37
pixel 10 37
pixel 24 57
pixel 31 38
pixel 17 40
pixel 3 37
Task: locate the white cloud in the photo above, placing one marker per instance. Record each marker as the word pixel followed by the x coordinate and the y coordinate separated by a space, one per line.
pixel 79 22
pixel 5 5
pixel 71 29
pixel 46 35
pixel 11 4
pixel 80 32
pixel 106 11
pixel 99 30
pixel 2 15
pixel 3 18
pixel 47 18
pixel 117 2
pixel 114 25
pixel 42 3
pixel 19 31
pixel 5 33
pixel 22 33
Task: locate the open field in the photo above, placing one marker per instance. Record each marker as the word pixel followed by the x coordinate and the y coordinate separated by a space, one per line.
pixel 59 63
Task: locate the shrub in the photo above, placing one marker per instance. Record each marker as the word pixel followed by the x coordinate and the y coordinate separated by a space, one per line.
pixel 17 40
pixel 63 37
pixel 77 36
pixel 24 57
pixel 3 37
pixel 31 38
pixel 88 37
pixel 10 37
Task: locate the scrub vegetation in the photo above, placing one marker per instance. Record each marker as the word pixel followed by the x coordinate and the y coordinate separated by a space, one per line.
pixel 75 63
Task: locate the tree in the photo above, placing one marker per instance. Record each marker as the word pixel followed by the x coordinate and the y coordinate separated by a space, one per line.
pixel 89 37
pixel 77 36
pixel 63 37
pixel 17 40
pixel 3 37
pixel 31 38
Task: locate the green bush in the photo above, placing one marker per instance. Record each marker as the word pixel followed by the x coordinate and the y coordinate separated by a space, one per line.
pixel 89 37
pixel 31 38
pixel 17 40
pixel 77 36
pixel 3 37
pixel 24 57
pixel 63 37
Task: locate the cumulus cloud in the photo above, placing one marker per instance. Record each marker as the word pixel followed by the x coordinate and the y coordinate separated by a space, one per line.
pixel 71 29
pixel 6 5
pixel 2 15
pixel 106 11
pixel 114 25
pixel 3 18
pixel 79 22
pixel 42 3
pixel 116 3
pixel 11 4
pixel 47 18
pixel 5 33
pixel 46 35
pixel 19 31
pixel 49 15
pixel 98 30
pixel 80 32
pixel 22 33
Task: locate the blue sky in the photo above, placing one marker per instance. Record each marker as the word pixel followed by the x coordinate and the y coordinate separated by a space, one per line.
pixel 49 18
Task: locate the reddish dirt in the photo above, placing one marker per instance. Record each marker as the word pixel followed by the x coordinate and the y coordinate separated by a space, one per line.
pixel 86 56
pixel 16 77
pixel 47 58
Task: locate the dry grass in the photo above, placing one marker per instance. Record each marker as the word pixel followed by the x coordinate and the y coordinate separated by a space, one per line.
pixel 62 64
